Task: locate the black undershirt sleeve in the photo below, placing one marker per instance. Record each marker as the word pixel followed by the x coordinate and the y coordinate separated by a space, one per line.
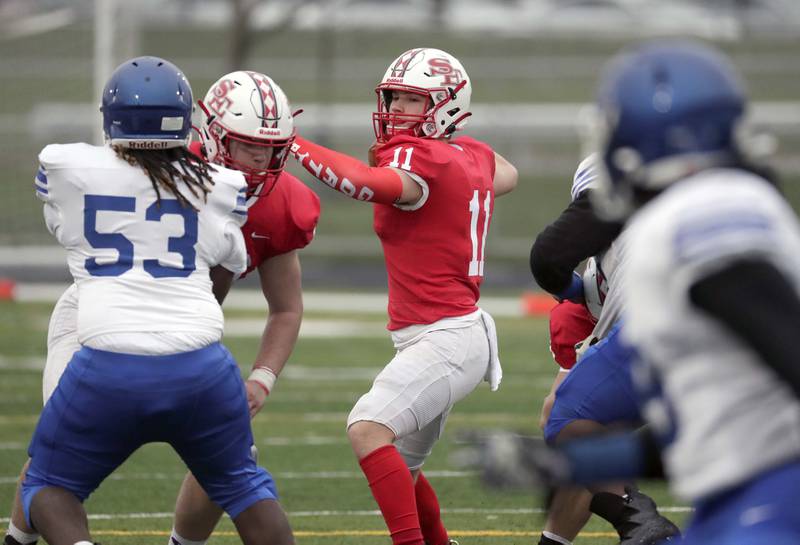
pixel 757 302
pixel 575 235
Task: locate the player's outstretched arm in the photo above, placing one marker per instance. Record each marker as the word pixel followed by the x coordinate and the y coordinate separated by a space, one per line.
pixel 505 175
pixel 281 285
pixel 353 178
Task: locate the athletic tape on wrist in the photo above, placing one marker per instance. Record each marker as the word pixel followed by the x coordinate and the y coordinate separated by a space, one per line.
pixel 264 377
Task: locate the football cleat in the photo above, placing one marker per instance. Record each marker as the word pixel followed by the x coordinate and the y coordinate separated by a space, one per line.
pixel 647 526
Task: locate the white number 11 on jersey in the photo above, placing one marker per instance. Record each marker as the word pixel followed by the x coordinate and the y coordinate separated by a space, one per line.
pixel 478 252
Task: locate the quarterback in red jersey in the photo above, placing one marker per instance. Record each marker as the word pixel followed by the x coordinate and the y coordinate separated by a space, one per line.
pixel 433 198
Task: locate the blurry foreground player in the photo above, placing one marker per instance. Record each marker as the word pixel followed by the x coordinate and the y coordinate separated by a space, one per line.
pixel 711 286
pixel 282 212
pixel 152 234
pixel 433 197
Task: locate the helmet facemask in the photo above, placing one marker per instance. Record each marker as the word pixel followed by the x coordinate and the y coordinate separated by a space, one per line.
pixel 261 177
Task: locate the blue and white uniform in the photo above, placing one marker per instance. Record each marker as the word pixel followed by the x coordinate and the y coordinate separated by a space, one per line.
pixel 731 426
pixel 150 367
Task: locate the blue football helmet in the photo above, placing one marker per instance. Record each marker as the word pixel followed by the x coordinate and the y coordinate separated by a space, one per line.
pixel 147 104
pixel 665 110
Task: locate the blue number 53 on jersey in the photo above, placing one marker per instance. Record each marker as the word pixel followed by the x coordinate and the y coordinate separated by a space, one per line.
pixel 183 245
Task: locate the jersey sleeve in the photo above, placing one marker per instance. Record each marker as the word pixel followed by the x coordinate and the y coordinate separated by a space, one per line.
pixel 570 323
pixel 585 177
pixel 711 240
pixel 231 207
pixel 417 158
pixel 281 222
pixel 51 190
pixel 302 215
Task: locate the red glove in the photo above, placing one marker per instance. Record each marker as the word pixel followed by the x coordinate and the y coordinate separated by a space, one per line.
pixel 348 175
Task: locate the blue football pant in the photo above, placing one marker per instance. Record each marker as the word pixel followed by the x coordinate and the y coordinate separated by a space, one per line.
pixel 107 405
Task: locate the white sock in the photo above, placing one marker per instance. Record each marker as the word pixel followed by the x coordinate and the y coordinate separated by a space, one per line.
pixel 84 542
pixel 176 539
pixel 556 537
pixel 21 536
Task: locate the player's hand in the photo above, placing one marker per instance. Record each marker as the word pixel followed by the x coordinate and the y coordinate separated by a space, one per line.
pixel 510 460
pixel 371 161
pixel 256 396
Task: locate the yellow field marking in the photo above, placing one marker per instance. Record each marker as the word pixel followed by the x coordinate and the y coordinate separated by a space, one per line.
pixel 354 533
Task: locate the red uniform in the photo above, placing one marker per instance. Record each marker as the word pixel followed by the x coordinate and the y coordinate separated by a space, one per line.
pixel 278 222
pixel 282 221
pixel 570 323
pixel 435 253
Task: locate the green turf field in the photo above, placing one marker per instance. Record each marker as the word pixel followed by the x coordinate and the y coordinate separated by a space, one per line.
pixel 300 433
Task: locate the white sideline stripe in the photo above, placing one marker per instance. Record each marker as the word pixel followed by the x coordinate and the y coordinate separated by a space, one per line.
pixel 310 440
pixel 245 299
pixel 442 474
pixel 361 513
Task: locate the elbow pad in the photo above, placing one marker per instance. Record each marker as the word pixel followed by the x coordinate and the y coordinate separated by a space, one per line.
pixel 348 175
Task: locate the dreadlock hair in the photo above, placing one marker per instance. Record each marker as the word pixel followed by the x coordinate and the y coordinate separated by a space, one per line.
pixel 160 167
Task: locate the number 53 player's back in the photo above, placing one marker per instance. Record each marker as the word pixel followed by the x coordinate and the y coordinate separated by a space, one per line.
pixel 127 242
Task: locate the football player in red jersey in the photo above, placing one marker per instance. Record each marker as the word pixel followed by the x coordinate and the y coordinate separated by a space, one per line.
pixel 248 126
pixel 252 136
pixel 433 197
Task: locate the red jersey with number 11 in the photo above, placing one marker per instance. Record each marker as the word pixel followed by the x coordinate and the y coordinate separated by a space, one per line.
pixel 434 249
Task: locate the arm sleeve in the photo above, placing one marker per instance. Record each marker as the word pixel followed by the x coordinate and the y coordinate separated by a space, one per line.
pixel 755 301
pixel 614 457
pixel 347 175
pixel 576 235
pixel 234 256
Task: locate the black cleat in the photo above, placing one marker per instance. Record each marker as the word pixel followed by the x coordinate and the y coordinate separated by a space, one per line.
pixel 647 526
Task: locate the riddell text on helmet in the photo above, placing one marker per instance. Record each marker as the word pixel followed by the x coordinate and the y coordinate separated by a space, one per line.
pixel 133 144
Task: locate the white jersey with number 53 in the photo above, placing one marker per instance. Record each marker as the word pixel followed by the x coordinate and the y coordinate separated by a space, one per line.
pixel 140 266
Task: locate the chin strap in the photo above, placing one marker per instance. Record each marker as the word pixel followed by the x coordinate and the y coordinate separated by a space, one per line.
pixel 348 175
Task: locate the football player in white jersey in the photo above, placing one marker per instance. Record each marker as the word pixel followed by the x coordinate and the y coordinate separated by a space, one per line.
pixel 281 208
pixel 153 241
pixel 712 288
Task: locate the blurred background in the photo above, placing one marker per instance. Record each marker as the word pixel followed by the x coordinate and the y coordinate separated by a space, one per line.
pixel 533 64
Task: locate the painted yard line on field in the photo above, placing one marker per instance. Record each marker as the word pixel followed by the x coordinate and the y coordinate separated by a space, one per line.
pixel 159 476
pixel 306 372
pixel 308 440
pixel 332 417
pixel 313 301
pixel 352 533
pixel 362 513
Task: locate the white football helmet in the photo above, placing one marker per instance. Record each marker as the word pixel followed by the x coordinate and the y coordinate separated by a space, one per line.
pixel 434 74
pixel 595 287
pixel 250 108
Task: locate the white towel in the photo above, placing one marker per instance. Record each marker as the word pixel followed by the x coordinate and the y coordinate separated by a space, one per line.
pixel 494 373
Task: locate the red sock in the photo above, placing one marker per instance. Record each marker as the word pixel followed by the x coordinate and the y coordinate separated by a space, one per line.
pixel 393 489
pixel 430 518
